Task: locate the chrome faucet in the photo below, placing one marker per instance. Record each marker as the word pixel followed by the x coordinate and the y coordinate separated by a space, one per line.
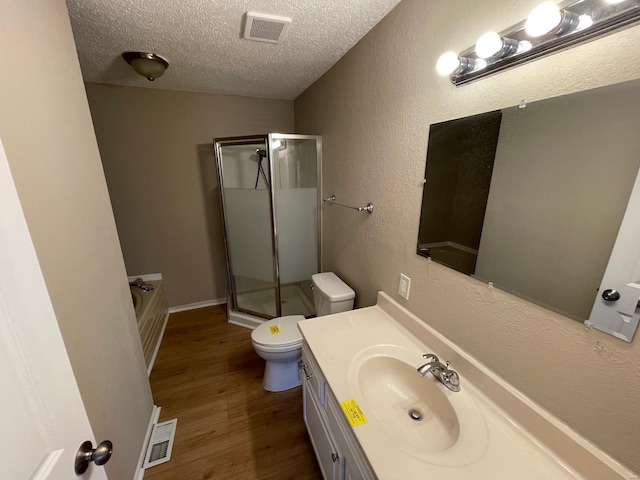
pixel 142 285
pixel 449 378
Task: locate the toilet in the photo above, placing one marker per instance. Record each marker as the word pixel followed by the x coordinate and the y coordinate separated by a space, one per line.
pixel 279 342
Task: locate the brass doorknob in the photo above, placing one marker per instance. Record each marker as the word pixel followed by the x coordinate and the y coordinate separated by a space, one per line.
pixel 87 454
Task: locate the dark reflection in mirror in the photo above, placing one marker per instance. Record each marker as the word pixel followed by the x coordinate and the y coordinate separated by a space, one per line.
pixel 458 174
pixel 532 198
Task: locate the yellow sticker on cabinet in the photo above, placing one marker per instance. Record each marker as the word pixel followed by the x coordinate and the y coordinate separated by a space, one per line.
pixel 353 413
pixel 274 329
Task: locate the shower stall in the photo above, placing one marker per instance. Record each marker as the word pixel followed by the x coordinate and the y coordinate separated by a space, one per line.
pixel 270 187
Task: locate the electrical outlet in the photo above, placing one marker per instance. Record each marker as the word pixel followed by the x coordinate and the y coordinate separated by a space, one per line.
pixel 404 286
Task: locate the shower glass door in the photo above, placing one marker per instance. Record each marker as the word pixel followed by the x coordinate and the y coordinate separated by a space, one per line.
pixel 245 176
pixel 296 199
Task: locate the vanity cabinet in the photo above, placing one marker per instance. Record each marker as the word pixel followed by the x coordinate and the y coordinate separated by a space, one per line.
pixel 486 430
pixel 337 450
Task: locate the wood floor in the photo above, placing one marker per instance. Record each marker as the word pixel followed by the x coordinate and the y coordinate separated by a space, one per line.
pixel 209 377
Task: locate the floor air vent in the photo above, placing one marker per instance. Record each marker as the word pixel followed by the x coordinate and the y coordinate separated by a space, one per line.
pixel 161 443
pixel 265 28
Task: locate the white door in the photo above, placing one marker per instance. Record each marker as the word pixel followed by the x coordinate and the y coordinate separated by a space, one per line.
pixel 615 308
pixel 41 412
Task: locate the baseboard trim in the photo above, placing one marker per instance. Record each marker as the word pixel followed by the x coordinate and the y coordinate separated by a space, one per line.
pixel 150 277
pixel 243 320
pixel 155 351
pixel 195 306
pixel 155 415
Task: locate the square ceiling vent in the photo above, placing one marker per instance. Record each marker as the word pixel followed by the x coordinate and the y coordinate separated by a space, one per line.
pixel 265 28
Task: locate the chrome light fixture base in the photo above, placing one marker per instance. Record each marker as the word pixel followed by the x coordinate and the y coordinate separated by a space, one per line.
pixel 149 65
pixel 600 18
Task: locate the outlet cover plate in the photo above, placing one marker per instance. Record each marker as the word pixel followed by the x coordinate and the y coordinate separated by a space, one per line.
pixel 404 286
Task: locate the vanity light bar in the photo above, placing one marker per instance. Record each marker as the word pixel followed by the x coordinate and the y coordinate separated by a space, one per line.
pixel 549 28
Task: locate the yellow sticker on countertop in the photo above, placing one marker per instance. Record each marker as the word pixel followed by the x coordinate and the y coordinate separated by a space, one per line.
pixel 353 413
pixel 274 329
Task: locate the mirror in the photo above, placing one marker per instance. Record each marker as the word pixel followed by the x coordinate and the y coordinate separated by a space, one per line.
pixel 531 199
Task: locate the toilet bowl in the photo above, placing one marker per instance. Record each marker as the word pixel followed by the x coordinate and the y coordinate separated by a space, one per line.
pixel 279 342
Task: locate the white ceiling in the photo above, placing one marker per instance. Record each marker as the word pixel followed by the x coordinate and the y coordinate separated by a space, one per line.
pixel 202 41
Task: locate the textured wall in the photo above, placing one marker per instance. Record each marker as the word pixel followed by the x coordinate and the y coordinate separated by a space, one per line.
pixel 373 109
pixel 156 147
pixel 45 126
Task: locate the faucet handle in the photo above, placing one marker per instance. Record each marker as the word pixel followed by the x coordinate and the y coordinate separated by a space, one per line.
pixel 451 379
pixel 432 357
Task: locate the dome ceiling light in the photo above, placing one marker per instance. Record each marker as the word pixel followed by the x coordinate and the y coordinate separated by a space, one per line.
pixel 149 65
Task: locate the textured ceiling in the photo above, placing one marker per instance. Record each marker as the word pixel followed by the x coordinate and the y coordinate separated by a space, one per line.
pixel 201 40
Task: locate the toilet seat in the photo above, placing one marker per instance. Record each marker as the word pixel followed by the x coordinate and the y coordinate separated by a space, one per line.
pixel 278 333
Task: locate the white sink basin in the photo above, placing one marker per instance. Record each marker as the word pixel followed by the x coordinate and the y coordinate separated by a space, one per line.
pixel 417 414
pixel 410 407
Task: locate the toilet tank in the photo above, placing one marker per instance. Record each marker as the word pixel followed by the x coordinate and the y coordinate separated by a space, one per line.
pixel 330 294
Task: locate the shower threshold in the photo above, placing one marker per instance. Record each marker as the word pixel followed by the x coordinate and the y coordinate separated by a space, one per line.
pixel 293 299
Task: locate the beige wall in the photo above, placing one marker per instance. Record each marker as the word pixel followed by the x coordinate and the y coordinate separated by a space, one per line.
pixel 158 160
pixel 373 109
pixel 46 129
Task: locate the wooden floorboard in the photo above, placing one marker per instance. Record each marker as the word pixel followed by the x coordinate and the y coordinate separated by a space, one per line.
pixel 208 376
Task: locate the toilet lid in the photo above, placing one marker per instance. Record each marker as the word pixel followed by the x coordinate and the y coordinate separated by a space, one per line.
pixel 278 331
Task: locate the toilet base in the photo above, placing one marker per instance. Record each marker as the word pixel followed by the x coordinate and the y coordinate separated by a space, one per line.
pixel 281 376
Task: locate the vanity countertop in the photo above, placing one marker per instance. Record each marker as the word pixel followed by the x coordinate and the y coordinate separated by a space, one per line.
pixel 502 433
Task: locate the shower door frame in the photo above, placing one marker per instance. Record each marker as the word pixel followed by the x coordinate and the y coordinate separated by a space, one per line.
pixel 239 141
pixel 266 139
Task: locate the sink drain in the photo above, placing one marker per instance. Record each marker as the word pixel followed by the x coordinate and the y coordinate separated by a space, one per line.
pixel 415 415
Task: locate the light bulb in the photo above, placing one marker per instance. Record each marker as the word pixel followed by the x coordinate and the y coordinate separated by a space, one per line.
pixel 524 46
pixel 480 64
pixel 492 45
pixel 584 21
pixel 488 45
pixel 613 2
pixel 543 19
pixel 448 63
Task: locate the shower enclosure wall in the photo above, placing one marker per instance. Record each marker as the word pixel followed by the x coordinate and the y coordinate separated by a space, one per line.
pixel 270 187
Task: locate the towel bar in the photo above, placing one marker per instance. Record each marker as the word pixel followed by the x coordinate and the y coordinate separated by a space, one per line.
pixel 367 208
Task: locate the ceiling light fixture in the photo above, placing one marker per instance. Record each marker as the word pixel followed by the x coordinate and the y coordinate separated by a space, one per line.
pixel 149 65
pixel 549 28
